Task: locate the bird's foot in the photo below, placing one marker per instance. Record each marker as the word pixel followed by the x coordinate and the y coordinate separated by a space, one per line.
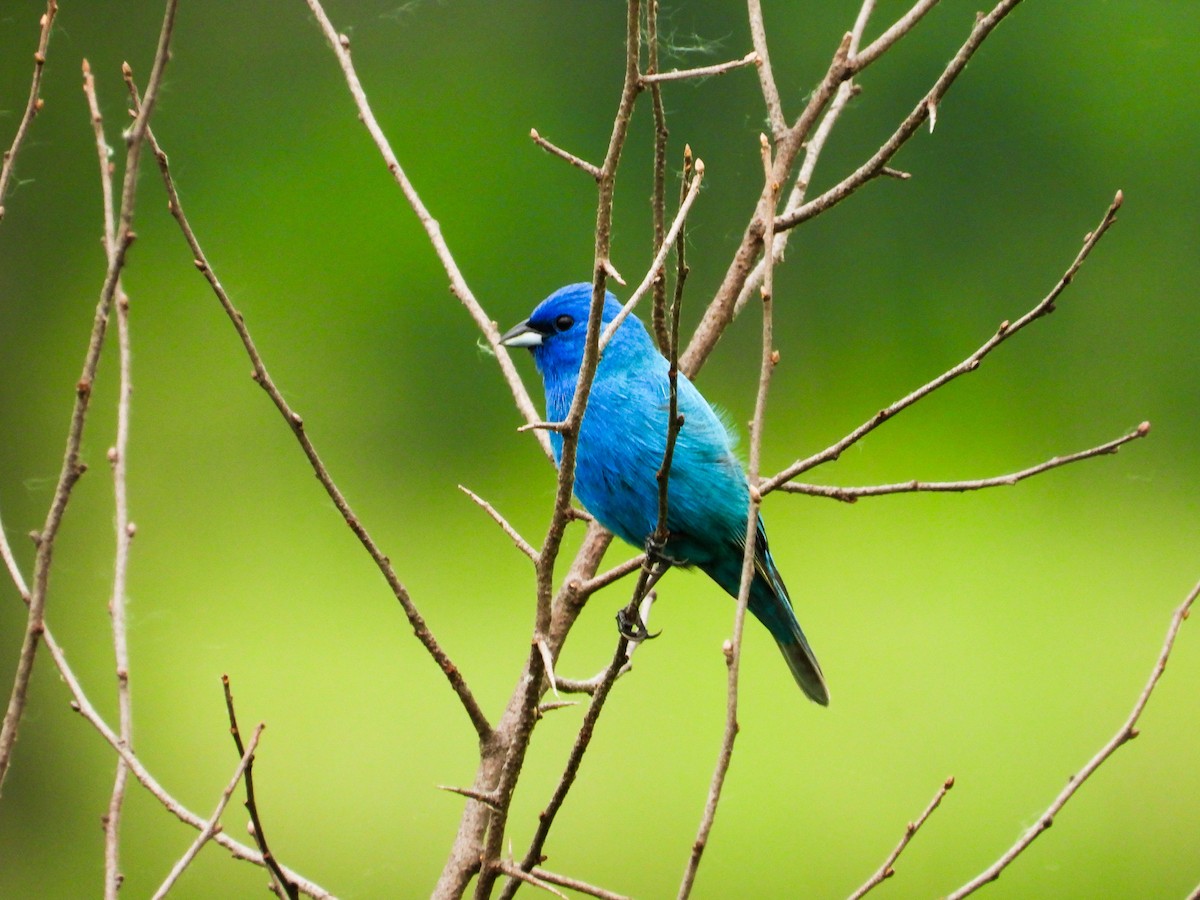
pixel 631 627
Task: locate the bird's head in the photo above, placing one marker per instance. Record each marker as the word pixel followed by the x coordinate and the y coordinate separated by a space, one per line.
pixel 556 330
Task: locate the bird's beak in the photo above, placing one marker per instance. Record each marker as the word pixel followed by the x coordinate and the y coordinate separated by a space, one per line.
pixel 522 335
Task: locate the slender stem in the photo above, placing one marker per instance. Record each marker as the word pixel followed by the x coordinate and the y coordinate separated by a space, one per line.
pixel 72 467
pixel 970 364
pixel 214 821
pixel 851 494
pixel 701 71
pixel 528 691
pixel 32 106
pixel 1127 732
pixel 124 528
pixel 294 421
pixel 886 870
pixel 925 110
pixel 733 647
pixel 82 705
pixel 766 78
pixel 283 885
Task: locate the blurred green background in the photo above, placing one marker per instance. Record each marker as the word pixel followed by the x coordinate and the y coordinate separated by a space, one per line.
pixel 999 637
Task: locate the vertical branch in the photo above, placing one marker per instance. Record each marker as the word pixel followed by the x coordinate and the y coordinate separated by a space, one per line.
pixel 733 647
pixel 653 567
pixel 658 201
pixel 73 468
pixel 812 153
pixel 124 528
pixel 523 706
pixel 32 106
pixel 283 885
pixel 766 78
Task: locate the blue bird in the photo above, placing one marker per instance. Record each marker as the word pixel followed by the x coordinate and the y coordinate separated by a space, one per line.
pixel 621 443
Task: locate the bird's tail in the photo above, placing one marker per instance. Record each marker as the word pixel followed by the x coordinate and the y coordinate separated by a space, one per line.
pixel 771 605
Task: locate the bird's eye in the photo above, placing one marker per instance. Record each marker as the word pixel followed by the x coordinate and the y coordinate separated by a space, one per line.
pixel 562 323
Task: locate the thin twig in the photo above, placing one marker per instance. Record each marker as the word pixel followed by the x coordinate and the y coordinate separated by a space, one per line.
pixel 32 106
pixel 72 467
pixel 582 740
pixel 701 71
pixel 488 799
pixel 528 692
pixel 555 150
pixel 658 196
pixel 812 154
pixel 925 109
pixel 282 883
pixel 733 646
pixel 898 29
pixel 886 870
pixel 851 494
pixel 214 821
pixel 970 364
pixel 296 424
pixel 124 528
pixel 842 67
pixel 668 241
pixel 766 78
pixel 82 705
pixel 523 545
pixel 340 45
pixel 576 885
pixel 515 872
pixel 1127 732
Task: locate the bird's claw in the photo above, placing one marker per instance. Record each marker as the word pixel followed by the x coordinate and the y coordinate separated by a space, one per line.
pixel 631 627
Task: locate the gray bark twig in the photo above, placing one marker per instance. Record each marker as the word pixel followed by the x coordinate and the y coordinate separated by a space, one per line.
pixel 970 364
pixel 32 106
pixel 294 421
pixel 72 467
pixel 852 494
pixel 1127 732
pixel 886 870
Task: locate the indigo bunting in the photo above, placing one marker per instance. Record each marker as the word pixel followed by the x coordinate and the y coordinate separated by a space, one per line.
pixel 621 442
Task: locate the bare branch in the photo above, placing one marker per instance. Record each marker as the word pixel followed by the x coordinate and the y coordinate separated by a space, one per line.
pixel 525 699
pixel 766 78
pixel 702 71
pixel 812 153
pixel 733 646
pixel 296 424
pixel 925 109
pixel 851 494
pixel 283 885
pixel 214 821
pixel 555 150
pixel 124 528
pixel 576 885
pixel 32 106
pixel 842 67
pixel 970 364
pixel 523 545
pixel 886 871
pixel 899 28
pixel 82 705
pixel 340 44
pixel 659 258
pixel 1127 732
pixel 72 467
pixel 546 818
pixel 489 799
pixel 517 873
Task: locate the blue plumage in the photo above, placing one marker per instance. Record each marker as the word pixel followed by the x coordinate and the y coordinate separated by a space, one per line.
pixel 621 444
